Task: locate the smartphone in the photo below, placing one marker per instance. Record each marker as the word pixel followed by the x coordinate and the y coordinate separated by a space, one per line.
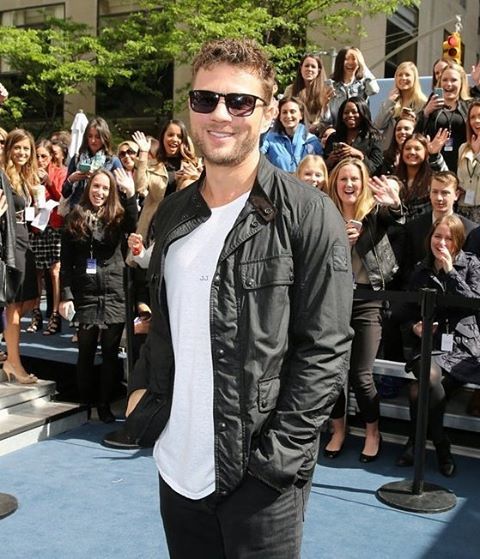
pixel 438 91
pixel 336 146
pixel 356 224
pixel 84 167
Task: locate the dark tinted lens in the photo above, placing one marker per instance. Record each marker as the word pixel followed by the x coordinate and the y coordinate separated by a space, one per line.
pixel 240 104
pixel 203 101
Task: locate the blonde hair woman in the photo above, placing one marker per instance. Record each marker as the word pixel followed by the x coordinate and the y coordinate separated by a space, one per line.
pixel 369 207
pixel 405 94
pixel 448 111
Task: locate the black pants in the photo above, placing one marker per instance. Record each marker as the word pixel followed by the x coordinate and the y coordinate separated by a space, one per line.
pixel 92 390
pixel 442 388
pixel 366 323
pixel 254 522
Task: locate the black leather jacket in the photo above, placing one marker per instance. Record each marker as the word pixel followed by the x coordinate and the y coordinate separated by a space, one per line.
pixel 374 248
pixel 463 280
pixel 280 326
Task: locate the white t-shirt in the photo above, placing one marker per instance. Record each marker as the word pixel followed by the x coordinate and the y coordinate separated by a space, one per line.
pixel 184 452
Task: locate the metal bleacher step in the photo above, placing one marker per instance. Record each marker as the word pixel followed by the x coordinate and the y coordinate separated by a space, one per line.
pixel 455 416
pixel 28 414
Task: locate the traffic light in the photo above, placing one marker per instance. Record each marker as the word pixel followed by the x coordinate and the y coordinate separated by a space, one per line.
pixel 452 48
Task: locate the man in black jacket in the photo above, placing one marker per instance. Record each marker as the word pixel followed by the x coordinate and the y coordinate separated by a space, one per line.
pixel 251 290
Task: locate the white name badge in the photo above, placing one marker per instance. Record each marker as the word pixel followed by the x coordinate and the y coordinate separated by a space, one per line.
pixel 469 199
pixel 29 213
pixel 447 342
pixel 91 266
pixel 449 145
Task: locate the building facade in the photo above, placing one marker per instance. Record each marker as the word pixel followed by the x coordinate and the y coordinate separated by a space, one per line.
pixel 431 21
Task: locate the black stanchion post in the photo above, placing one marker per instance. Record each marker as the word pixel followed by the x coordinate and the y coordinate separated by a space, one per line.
pixel 417 495
pixel 427 310
pixel 8 504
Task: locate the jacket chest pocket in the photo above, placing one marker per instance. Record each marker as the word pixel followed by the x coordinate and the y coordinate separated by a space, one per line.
pixel 268 272
pixel 467 335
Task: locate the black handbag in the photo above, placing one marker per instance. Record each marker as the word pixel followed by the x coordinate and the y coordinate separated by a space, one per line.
pixel 9 280
pixel 148 419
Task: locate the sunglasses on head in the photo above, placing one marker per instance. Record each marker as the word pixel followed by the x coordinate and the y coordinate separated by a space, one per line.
pixel 238 104
pixel 129 151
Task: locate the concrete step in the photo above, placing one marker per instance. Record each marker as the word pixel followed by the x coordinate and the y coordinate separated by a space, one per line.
pixel 36 420
pixel 12 393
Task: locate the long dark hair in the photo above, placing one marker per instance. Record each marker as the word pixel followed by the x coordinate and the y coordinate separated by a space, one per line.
pixel 419 188
pixel 311 95
pixel 111 213
pixel 100 124
pixel 187 151
pixel 338 68
pixel 390 154
pixel 365 127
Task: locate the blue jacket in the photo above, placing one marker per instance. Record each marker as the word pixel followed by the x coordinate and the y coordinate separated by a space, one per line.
pixel 287 153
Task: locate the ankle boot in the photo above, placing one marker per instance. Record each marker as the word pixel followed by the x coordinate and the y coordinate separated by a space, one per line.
pixel 406 458
pixel 446 463
pixel 105 413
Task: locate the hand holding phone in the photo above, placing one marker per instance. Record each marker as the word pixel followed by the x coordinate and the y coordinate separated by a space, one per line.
pixel 356 224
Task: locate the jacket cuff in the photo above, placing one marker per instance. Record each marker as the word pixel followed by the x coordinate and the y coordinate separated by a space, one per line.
pixel 67 294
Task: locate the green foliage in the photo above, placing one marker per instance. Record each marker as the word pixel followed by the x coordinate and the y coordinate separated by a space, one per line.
pixel 56 60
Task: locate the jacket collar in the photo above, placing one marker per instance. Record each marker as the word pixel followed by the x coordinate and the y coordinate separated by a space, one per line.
pixel 259 198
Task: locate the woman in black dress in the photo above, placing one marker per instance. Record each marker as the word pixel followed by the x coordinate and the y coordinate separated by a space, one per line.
pixel 91 275
pixel 22 173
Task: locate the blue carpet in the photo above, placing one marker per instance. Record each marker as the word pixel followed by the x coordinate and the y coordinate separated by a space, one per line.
pixel 78 499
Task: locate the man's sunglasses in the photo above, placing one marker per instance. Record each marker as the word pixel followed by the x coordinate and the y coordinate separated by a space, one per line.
pixel 238 104
pixel 130 152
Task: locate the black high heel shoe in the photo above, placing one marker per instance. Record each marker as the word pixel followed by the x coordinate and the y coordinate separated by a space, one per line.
pixel 406 458
pixel 105 413
pixel 332 453
pixel 37 321
pixel 366 458
pixel 446 463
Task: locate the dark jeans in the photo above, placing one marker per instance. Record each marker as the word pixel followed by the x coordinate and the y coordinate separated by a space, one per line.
pixel 366 323
pixel 254 522
pixel 92 390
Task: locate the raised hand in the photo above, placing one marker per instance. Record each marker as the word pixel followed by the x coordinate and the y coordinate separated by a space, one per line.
pixel 384 191
pixel 124 182
pixel 143 142
pixel 439 140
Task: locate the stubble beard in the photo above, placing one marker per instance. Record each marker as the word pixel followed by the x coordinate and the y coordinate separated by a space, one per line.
pixel 231 159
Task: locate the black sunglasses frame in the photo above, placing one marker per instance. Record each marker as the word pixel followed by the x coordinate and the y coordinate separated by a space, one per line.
pixel 211 99
pixel 130 152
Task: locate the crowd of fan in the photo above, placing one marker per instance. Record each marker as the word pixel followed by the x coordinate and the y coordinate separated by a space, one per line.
pixel 407 184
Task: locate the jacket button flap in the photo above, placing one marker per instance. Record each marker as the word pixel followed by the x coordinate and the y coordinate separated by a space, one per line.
pixel 268 390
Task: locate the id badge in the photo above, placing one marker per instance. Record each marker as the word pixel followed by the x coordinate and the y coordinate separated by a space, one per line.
pixel 447 342
pixel 29 213
pixel 469 199
pixel 91 266
pixel 449 145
